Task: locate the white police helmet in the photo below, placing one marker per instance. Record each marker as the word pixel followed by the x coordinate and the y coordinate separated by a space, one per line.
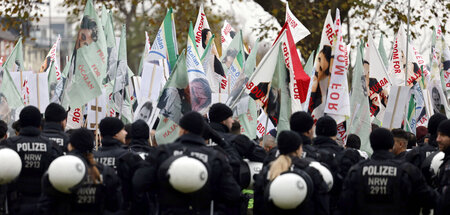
pixel 436 162
pixel 10 165
pixel 253 169
pixel 325 172
pixel 66 172
pixel 187 174
pixel 288 191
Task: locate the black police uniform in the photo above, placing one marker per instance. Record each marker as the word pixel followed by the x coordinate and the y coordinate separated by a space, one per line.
pixel 55 132
pixel 124 162
pixel 244 146
pixel 417 155
pixel 86 198
pixel 141 147
pixel 444 185
pixel 328 152
pixel 316 203
pixel 385 185
pixel 309 151
pixel 221 187
pixel 37 153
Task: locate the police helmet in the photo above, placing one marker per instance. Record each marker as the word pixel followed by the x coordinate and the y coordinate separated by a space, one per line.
pixel 248 170
pixel 326 174
pixel 66 172
pixel 10 165
pixel 436 162
pixel 288 191
pixel 187 174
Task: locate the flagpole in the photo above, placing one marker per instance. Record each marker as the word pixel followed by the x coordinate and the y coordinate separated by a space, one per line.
pixel 37 89
pixel 407 43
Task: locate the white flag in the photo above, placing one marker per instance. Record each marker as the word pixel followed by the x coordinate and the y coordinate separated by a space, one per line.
pixel 200 24
pixel 299 31
pixel 227 34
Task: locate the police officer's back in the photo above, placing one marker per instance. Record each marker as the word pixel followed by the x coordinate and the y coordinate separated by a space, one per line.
pixel 98 193
pixel 443 139
pixel 37 153
pixel 328 152
pixel 384 185
pixel 220 116
pixel 112 154
pixel 221 188
pixel 55 123
pixel 140 132
pixel 290 148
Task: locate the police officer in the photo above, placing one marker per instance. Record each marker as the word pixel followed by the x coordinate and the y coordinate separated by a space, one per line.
pixel 384 185
pixel 123 161
pixel 302 123
pixel 418 154
pixel 329 151
pixel 290 148
pixel 220 189
pixel 55 123
pixel 443 139
pixel 221 120
pixel 400 143
pixel 37 153
pixel 140 132
pixel 3 130
pixel 98 193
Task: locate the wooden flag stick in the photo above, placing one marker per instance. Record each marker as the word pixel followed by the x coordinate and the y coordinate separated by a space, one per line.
pixel 37 89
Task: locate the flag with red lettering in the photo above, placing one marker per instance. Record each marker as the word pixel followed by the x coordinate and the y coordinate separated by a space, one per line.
pixel 165 44
pixel 299 31
pixel 227 35
pixel 377 82
pixel 322 64
pixel 299 80
pixel 264 125
pixel 89 61
pixel 259 84
pixel 338 101
pixel 359 122
pixel 245 108
pixel 398 67
pixel 200 24
pixel 199 89
pixel 75 118
pixel 309 70
pixel 173 102
pixel 51 66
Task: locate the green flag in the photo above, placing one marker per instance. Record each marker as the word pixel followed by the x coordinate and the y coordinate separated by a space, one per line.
pixel 173 102
pixel 8 91
pixel 279 98
pixel 411 113
pixel 249 120
pixel 89 61
pixel 165 44
pixel 382 52
pixel 359 122
pixel 121 96
pixel 111 65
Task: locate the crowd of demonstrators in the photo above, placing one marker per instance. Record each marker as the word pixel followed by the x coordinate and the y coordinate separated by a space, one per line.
pixel 214 169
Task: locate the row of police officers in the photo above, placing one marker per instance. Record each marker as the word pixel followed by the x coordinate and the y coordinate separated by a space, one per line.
pixel 211 170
